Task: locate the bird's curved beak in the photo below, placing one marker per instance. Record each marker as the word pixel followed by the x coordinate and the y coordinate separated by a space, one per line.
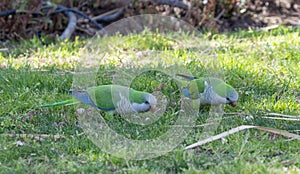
pixel 152 108
pixel 233 104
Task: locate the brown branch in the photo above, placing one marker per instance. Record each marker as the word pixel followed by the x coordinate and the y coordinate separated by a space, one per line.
pixel 71 26
pixel 110 16
pixel 174 3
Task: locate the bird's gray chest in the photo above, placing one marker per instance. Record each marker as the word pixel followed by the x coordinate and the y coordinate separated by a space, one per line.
pixel 209 96
pixel 123 105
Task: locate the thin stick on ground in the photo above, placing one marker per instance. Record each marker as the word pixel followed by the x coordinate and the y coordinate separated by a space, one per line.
pixel 240 128
pixel 37 136
pixel 283 115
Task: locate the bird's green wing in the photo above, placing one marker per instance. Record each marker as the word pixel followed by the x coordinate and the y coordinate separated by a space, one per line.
pixel 106 96
pixel 101 96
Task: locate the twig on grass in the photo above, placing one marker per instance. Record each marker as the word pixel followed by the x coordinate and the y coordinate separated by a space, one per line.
pixel 36 136
pixel 283 115
pixel 240 128
pixel 281 118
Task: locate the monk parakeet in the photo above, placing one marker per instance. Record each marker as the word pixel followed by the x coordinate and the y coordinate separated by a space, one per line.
pixel 122 99
pixel 210 90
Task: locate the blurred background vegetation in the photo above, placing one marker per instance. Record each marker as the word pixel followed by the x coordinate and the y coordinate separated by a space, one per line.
pixel 25 19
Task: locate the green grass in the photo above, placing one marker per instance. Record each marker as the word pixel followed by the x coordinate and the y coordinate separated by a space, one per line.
pixel 262 66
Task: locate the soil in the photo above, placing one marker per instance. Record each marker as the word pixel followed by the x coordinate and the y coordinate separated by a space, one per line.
pixel 253 14
pixel 262 13
pixel 230 15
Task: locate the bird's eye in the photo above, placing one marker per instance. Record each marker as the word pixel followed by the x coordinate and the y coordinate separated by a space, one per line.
pixel 146 102
pixel 227 98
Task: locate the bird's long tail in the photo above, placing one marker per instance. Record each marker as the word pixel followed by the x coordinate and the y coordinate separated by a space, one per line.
pixel 187 77
pixel 66 103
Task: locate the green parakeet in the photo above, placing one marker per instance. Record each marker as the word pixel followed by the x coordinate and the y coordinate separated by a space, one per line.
pixel 122 99
pixel 210 90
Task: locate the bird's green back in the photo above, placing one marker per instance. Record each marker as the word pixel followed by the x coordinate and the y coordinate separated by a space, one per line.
pixel 106 95
pixel 220 87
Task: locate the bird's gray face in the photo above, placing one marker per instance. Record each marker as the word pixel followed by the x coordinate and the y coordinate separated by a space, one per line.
pixel 232 98
pixel 148 105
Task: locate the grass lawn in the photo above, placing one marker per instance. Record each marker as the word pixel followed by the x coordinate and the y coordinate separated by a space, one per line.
pixel 262 66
